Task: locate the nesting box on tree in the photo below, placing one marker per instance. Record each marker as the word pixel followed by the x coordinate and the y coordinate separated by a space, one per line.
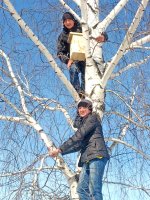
pixel 77 46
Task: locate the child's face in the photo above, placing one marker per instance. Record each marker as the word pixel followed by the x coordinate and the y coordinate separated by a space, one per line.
pixel 83 111
pixel 69 23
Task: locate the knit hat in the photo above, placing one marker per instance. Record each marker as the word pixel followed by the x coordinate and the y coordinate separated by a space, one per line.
pixel 85 103
pixel 67 15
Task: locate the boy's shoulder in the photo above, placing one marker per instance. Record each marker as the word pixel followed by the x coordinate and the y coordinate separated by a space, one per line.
pixel 94 116
pixel 63 36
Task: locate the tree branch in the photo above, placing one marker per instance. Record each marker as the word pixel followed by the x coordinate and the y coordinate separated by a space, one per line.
pixel 10 104
pixel 70 10
pixel 42 48
pixel 140 42
pixel 125 128
pixel 132 65
pixel 126 42
pixel 110 17
pixel 77 2
pixel 129 106
pixel 58 107
pixel 130 146
pixel 146 190
pixel 131 120
pixel 14 119
pixel 15 81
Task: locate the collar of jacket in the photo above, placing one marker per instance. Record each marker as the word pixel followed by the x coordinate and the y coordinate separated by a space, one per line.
pixel 83 118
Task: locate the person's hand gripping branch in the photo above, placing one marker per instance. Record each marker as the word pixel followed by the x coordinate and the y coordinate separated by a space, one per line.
pixel 53 152
pixel 102 38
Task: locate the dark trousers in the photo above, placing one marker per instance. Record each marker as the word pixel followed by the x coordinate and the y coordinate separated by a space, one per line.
pixel 75 70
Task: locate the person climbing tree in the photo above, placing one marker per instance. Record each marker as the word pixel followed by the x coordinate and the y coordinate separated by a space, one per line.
pixel 70 24
pixel 89 140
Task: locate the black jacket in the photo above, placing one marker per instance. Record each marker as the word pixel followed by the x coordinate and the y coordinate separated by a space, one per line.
pixel 63 47
pixel 88 139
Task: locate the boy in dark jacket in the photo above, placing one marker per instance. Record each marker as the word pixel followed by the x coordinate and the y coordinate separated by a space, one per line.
pixel 94 155
pixel 63 51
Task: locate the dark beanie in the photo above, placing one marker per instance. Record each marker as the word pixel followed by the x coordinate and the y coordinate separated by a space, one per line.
pixel 85 103
pixel 67 15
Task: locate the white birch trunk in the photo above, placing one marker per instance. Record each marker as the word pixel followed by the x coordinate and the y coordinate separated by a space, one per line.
pixel 93 55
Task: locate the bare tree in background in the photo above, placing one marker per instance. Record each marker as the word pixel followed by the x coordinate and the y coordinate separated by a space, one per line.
pixel 38 102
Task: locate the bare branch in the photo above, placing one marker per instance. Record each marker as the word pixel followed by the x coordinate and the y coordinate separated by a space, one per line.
pixel 125 128
pixel 28 171
pixel 77 2
pixel 132 65
pixel 126 42
pixel 131 120
pixel 14 119
pixel 146 190
pixel 130 146
pixel 140 42
pixel 15 81
pixel 10 104
pixel 110 17
pixel 47 107
pixel 70 10
pixel 129 106
pixel 42 48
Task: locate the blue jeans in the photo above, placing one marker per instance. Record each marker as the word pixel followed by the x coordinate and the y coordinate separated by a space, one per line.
pixel 90 180
pixel 75 69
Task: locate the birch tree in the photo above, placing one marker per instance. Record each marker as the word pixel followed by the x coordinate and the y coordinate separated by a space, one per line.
pixel 38 102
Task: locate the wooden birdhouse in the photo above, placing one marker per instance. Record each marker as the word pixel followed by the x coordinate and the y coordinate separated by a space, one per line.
pixel 77 46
